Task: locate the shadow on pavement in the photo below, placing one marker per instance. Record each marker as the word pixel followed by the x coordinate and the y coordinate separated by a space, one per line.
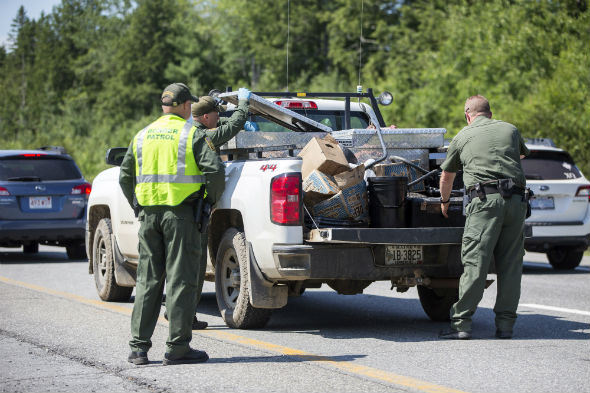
pixel 546 268
pixel 43 256
pixel 334 316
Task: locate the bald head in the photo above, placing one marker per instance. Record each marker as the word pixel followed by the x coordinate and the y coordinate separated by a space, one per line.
pixel 477 105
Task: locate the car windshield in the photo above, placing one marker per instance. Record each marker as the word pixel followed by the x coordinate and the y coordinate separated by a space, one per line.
pixel 38 168
pixel 550 165
pixel 332 119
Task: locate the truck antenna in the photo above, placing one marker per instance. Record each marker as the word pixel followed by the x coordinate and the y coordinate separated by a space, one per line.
pixel 288 34
pixel 361 42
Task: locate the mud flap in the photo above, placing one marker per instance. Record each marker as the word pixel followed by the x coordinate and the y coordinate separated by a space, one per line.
pixel 263 293
pixel 125 276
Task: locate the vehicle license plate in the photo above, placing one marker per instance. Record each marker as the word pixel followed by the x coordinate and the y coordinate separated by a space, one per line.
pixel 42 202
pixel 403 255
pixel 542 203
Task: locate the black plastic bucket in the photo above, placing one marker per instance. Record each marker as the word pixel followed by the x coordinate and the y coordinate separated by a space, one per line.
pixel 387 201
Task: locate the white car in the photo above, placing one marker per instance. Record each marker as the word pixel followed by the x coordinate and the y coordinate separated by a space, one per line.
pixel 560 217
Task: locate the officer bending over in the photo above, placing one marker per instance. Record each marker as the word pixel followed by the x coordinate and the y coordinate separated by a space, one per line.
pixel 489 152
pixel 220 130
pixel 165 171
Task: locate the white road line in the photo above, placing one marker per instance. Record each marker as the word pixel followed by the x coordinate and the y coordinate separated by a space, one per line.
pixel 560 309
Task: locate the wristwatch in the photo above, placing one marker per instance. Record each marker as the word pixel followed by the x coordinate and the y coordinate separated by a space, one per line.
pixel 447 201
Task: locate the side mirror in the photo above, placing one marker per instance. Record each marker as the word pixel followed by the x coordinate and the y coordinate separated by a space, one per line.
pixel 385 98
pixel 115 155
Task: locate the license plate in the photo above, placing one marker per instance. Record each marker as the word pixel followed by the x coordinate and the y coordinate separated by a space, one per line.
pixel 403 255
pixel 43 202
pixel 542 203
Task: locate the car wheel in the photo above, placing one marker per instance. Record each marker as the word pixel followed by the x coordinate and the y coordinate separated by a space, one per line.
pixel 437 302
pixel 76 250
pixel 564 258
pixel 103 264
pixel 31 248
pixel 231 284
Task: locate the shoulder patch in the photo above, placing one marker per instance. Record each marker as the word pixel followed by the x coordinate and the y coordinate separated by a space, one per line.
pixel 211 145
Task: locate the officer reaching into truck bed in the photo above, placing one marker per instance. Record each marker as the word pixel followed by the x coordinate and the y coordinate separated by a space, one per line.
pixel 219 130
pixel 489 152
pixel 163 176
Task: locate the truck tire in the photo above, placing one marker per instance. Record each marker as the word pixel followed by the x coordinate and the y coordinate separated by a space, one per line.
pixel 103 264
pixel 76 250
pixel 231 284
pixel 437 303
pixel 564 258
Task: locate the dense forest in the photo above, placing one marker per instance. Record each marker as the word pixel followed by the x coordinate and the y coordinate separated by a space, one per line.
pixel 88 75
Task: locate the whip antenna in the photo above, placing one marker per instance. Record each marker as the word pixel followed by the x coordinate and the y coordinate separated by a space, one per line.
pixel 361 43
pixel 288 35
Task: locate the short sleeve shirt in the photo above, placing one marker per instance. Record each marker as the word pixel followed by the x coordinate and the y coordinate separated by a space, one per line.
pixel 487 150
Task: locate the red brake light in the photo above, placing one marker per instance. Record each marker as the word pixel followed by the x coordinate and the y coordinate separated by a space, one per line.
pixel 4 191
pixel 82 189
pixel 290 104
pixel 285 200
pixel 33 155
pixel 584 191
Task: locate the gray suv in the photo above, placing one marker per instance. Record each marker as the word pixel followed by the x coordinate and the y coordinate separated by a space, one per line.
pixel 43 198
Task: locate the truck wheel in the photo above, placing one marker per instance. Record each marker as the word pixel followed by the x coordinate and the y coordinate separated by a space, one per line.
pixel 437 303
pixel 76 250
pixel 31 248
pixel 231 284
pixel 564 258
pixel 103 264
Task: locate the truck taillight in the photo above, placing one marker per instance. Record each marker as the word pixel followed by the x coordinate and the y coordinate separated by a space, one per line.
pixel 584 191
pixel 82 189
pixel 4 191
pixel 290 104
pixel 285 199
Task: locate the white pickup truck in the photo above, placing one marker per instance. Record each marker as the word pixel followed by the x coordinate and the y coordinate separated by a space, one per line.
pixel 261 250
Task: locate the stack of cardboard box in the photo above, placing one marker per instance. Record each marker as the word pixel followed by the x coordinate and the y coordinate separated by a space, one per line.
pixel 331 188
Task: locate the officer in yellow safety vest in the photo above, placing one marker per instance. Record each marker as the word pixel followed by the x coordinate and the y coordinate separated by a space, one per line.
pixel 164 174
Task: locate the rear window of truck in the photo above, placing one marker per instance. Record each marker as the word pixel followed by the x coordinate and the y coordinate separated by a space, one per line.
pixel 332 119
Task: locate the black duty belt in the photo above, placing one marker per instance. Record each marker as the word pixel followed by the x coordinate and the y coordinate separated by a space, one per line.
pixel 492 188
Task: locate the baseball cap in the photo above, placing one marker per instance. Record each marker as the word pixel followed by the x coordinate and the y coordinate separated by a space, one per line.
pixel 176 94
pixel 207 104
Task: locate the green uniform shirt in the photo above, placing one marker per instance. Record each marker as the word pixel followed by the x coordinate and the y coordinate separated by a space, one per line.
pixel 207 160
pixel 227 127
pixel 487 150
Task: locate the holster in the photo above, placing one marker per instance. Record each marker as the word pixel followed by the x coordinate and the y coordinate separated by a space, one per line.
pixel 505 188
pixel 481 193
pixel 528 194
pixel 202 212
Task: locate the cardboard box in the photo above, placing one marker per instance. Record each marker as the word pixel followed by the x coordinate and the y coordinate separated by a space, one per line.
pixel 351 203
pixel 324 156
pixel 318 187
pixel 395 169
pixel 401 169
pixel 351 177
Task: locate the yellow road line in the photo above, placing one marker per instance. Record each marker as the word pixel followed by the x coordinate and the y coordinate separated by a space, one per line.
pixel 365 371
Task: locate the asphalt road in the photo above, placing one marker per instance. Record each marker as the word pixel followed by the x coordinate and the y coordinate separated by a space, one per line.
pixel 56 335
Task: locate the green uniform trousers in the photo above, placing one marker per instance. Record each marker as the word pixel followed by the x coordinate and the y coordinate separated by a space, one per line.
pixel 169 249
pixel 202 266
pixel 494 228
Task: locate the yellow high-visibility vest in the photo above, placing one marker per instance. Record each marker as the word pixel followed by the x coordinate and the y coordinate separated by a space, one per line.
pixel 166 172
